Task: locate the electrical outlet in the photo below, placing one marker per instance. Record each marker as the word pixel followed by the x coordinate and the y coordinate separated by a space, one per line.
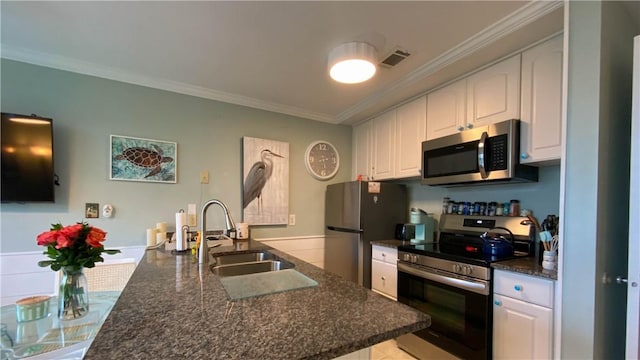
pixel 204 177
pixel 292 219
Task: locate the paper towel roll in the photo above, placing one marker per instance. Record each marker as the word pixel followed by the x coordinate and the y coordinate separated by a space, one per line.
pixel 151 236
pixel 181 221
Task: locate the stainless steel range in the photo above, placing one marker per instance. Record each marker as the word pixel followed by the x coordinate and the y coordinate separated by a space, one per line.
pixel 451 281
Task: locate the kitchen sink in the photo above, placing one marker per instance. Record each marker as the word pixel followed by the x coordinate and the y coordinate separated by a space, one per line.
pixel 248 263
pixel 244 257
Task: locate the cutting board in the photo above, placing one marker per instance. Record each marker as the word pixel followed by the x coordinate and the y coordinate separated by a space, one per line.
pixel 246 286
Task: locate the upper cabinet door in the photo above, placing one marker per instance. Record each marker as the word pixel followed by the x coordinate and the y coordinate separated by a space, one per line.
pixel 446 110
pixel 541 125
pixel 411 121
pixel 493 94
pixel 362 148
pixel 384 133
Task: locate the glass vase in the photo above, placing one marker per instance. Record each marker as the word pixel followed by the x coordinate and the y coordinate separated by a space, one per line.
pixel 73 298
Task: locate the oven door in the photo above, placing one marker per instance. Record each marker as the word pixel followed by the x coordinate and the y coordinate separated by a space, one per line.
pixel 459 309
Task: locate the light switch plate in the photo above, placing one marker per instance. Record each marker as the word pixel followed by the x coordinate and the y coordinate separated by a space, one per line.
pixel 107 210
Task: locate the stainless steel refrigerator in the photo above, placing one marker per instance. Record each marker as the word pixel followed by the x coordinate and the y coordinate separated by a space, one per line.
pixel 357 213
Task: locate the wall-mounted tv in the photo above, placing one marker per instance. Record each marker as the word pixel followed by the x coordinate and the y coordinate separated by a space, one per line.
pixel 27 159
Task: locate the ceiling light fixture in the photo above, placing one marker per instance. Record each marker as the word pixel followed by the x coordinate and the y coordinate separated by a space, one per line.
pixel 352 63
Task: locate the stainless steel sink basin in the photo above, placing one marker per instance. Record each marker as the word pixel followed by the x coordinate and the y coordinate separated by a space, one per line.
pixel 248 263
pixel 237 258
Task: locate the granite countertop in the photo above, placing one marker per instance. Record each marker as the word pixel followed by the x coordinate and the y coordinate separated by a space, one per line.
pixel 166 312
pixel 526 265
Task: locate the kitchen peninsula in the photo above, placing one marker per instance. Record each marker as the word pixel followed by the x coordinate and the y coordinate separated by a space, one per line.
pixel 167 311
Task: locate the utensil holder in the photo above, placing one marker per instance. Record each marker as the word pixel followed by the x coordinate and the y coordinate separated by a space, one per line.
pixel 549 260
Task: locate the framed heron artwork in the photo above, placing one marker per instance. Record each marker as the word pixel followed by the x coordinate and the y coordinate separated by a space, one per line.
pixel 265 196
pixel 137 159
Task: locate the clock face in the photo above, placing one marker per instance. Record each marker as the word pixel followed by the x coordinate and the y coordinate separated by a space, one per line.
pixel 322 160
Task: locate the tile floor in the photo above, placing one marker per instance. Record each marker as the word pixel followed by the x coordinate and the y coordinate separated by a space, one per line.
pixel 389 350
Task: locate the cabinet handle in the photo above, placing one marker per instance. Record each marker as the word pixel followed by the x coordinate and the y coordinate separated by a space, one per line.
pixel 460 128
pixel 383 254
pixel 469 126
pixel 497 302
pixel 382 277
pixel 523 156
pixel 517 288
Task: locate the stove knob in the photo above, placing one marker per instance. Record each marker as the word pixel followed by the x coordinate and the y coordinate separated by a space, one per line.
pixel 469 270
pixel 414 258
pixel 406 257
pixel 455 268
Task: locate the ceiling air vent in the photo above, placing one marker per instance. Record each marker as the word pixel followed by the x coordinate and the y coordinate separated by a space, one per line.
pixel 394 58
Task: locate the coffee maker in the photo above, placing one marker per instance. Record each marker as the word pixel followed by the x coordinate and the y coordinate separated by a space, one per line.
pixel 421 226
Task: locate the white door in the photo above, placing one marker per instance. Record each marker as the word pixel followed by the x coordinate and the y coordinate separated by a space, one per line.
pixel 633 276
pixel 411 121
pixel 384 135
pixel 493 94
pixel 521 330
pixel 446 110
pixel 541 108
pixel 361 164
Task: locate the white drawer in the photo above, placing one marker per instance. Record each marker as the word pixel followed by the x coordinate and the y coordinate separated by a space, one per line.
pixel 524 287
pixel 384 278
pixel 383 253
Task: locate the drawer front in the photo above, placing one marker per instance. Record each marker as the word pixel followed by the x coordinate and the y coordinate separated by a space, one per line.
pixel 523 287
pixel 384 278
pixel 385 254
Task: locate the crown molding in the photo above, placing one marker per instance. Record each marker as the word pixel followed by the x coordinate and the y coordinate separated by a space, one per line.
pixel 111 73
pixel 510 23
pixel 505 26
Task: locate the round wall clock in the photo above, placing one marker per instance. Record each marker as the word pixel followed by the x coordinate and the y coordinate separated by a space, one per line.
pixel 322 160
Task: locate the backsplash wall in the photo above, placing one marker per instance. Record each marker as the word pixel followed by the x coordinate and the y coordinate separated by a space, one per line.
pixel 542 198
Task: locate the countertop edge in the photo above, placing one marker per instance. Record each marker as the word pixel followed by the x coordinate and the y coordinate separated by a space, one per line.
pixel 527 266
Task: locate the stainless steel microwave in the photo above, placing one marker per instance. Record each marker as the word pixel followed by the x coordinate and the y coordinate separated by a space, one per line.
pixel 483 154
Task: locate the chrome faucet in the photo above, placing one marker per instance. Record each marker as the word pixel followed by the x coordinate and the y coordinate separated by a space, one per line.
pixel 203 255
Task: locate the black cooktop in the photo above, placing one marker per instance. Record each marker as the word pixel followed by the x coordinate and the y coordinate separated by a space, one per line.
pixel 464 253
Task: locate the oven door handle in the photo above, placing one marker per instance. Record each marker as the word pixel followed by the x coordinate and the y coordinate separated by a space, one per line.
pixel 481 288
pixel 482 144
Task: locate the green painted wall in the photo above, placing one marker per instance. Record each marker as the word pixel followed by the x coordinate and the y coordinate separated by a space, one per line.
pixel 86 110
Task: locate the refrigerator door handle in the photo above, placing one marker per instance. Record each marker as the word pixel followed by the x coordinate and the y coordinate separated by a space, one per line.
pixel 335 228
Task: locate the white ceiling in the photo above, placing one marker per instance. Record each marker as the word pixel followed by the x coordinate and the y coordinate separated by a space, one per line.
pixel 273 55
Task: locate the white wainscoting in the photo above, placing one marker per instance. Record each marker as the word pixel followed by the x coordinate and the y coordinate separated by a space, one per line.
pixel 20 275
pixel 306 248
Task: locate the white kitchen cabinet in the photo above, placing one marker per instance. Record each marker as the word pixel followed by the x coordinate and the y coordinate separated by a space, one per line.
pixel 541 112
pixel 522 316
pixel 446 110
pixel 411 121
pixel 384 271
pixel 384 135
pixel 493 94
pixel 486 97
pixel 362 151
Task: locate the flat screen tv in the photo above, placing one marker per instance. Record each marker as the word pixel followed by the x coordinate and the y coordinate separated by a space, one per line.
pixel 27 159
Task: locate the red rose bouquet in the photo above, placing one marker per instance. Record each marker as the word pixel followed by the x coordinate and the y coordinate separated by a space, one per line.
pixel 73 247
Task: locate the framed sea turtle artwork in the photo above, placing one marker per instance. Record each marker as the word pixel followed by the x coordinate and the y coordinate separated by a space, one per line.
pixel 138 159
